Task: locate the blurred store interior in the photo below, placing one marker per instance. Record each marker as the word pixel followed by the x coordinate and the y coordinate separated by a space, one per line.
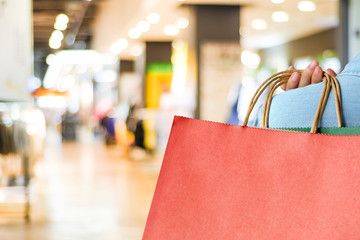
pixel 89 88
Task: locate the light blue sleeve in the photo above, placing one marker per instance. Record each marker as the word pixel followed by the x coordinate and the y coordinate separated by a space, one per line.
pixel 297 108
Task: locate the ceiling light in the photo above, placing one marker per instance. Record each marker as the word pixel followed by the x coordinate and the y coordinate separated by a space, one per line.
pixel 171 30
pixel 182 23
pixel 55 39
pixel 178 44
pixel 280 16
pixel 62 18
pixel 50 59
pixel 277 1
pixel 250 59
pixel 118 46
pixel 57 35
pixel 143 26
pixel 61 22
pixel 259 24
pixel 153 18
pixel 134 33
pixel 59 26
pixel 243 31
pixel 54 44
pixel 306 6
pixel 136 50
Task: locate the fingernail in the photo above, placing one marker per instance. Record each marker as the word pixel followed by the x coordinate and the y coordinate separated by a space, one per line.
pixel 331 72
pixel 313 65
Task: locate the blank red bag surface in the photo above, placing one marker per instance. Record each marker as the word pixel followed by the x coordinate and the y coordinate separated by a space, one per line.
pixel 231 182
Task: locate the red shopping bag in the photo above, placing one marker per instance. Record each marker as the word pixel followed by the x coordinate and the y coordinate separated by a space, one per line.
pixel 233 182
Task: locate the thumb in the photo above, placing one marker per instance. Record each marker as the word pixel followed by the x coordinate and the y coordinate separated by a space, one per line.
pixel 331 72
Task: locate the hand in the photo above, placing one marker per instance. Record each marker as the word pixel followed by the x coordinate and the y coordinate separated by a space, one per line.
pixel 311 75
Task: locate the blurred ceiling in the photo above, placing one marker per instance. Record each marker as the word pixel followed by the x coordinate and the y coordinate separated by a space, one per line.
pixel 81 15
pixel 300 24
pixel 117 17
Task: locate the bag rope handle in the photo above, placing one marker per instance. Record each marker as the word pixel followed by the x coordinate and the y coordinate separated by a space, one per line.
pixel 281 78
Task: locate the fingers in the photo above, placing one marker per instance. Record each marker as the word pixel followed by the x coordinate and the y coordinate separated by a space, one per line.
pixel 307 74
pixel 284 86
pixel 293 81
pixel 291 68
pixel 311 75
pixel 331 72
pixel 317 75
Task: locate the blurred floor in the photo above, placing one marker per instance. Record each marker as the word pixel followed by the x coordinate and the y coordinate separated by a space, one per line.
pixel 87 191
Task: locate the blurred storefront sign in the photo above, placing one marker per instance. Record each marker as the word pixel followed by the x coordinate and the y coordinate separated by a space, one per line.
pixel 220 67
pixel 158 81
pixel 47 92
pixel 16 58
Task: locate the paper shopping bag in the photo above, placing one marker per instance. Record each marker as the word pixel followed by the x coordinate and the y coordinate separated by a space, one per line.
pixel 231 182
pixel 235 182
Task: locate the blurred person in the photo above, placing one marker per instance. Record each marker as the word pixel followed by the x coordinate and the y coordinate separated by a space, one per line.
pixel 233 118
pixel 163 119
pixel 249 85
pixel 122 136
pixel 131 119
pixel 135 127
pixel 140 134
pixel 297 107
pixel 107 123
pixel 69 124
